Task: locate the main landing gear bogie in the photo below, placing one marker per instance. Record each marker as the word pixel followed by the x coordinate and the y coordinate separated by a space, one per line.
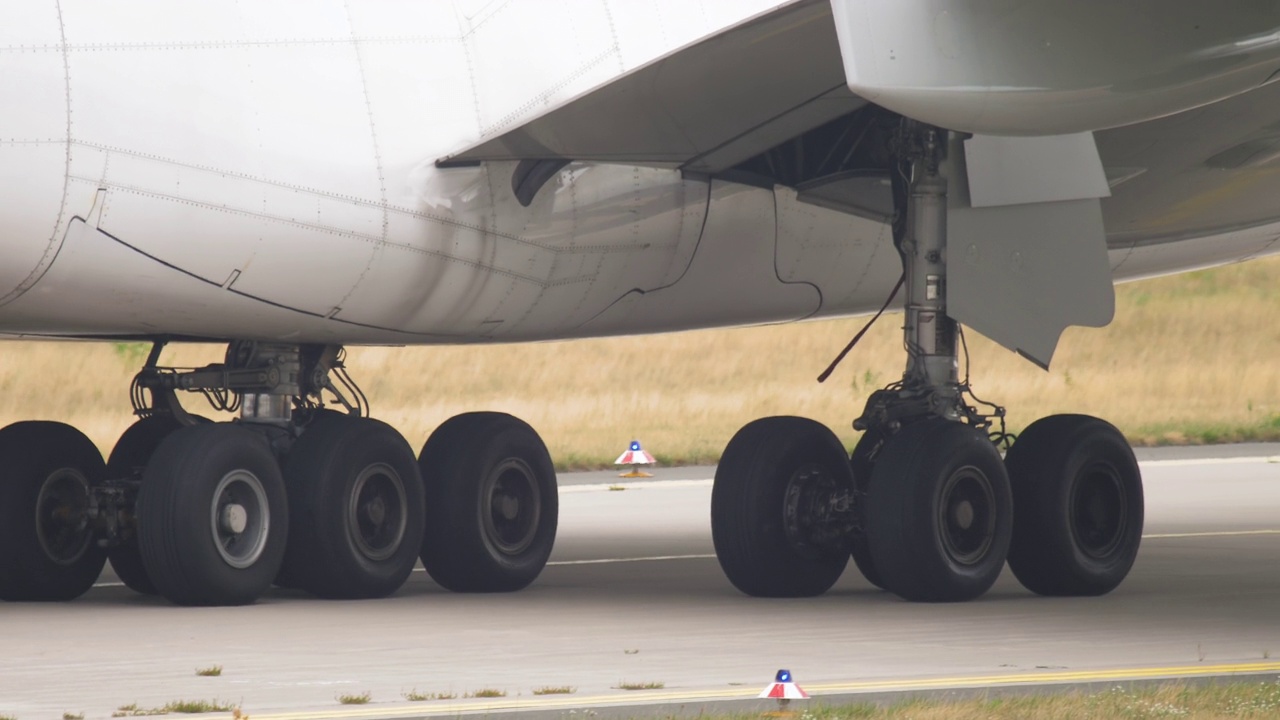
pixel 292 492
pixel 925 505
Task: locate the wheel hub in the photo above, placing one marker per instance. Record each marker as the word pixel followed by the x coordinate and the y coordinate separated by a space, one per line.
pixel 62 519
pixel 508 507
pixel 234 519
pixel 378 512
pixel 816 511
pixel 967 518
pixel 1098 510
pixel 514 507
pixel 240 518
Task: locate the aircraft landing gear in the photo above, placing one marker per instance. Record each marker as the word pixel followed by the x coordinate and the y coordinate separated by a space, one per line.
pixel 292 492
pixel 925 506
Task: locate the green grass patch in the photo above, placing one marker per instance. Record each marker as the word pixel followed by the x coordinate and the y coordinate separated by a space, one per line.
pixel 192 707
pixel 555 690
pixel 651 685
pixel 361 699
pixel 72 716
pixel 211 671
pixel 1207 433
pixel 486 693
pixel 189 707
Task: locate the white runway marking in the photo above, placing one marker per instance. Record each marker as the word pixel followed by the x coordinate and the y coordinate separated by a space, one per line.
pixel 593 561
pixel 1272 459
pixel 622 486
pixel 661 558
pixel 606 561
pixel 1212 533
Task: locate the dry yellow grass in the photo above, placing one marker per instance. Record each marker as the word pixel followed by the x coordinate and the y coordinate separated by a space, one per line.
pixel 1191 358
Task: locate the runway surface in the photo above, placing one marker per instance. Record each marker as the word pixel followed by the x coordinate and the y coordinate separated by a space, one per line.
pixel 635 596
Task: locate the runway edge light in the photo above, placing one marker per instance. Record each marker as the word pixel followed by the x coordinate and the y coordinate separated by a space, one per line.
pixel 635 456
pixel 783 689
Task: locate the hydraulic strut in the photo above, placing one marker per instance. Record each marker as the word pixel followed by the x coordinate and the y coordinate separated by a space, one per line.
pixel 931 384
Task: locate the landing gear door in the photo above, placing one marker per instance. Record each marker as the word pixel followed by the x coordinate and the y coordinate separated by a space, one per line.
pixel 1027 252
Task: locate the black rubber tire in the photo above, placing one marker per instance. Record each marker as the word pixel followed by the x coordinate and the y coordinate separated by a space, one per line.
pixel 748 498
pixel 1057 464
pixel 40 458
pixel 176 534
pixel 131 454
pixel 463 463
pixel 325 555
pixel 861 464
pixel 918 474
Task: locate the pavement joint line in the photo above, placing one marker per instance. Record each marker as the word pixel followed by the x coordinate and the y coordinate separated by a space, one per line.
pixel 815 689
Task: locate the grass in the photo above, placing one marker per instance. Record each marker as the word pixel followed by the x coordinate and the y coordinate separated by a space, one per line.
pixel 361 699
pixel 555 690
pixel 190 707
pixel 415 696
pixel 198 706
pixel 1188 359
pixel 1201 702
pixel 211 671
pixel 72 716
pixel 486 693
pixel 624 685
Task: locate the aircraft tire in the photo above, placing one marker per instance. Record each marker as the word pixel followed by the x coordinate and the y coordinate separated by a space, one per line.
pixel 861 463
pixel 1078 506
pixel 213 517
pixel 134 450
pixel 491 503
pixel 48 554
pixel 939 513
pixel 355 509
pixel 765 541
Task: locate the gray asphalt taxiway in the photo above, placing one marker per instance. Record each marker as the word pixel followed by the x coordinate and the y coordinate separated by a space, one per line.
pixel 634 596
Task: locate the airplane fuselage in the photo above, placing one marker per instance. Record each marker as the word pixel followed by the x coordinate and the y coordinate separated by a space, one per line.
pixel 268 173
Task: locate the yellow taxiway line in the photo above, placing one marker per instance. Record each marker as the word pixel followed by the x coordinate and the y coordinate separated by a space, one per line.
pixel 817 690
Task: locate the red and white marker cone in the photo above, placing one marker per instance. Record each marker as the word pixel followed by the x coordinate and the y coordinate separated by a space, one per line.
pixel 635 456
pixel 783 689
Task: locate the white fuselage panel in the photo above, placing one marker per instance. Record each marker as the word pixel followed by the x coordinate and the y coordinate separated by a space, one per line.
pixel 267 170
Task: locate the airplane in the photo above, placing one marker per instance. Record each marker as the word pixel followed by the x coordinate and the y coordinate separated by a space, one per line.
pixel 293 178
